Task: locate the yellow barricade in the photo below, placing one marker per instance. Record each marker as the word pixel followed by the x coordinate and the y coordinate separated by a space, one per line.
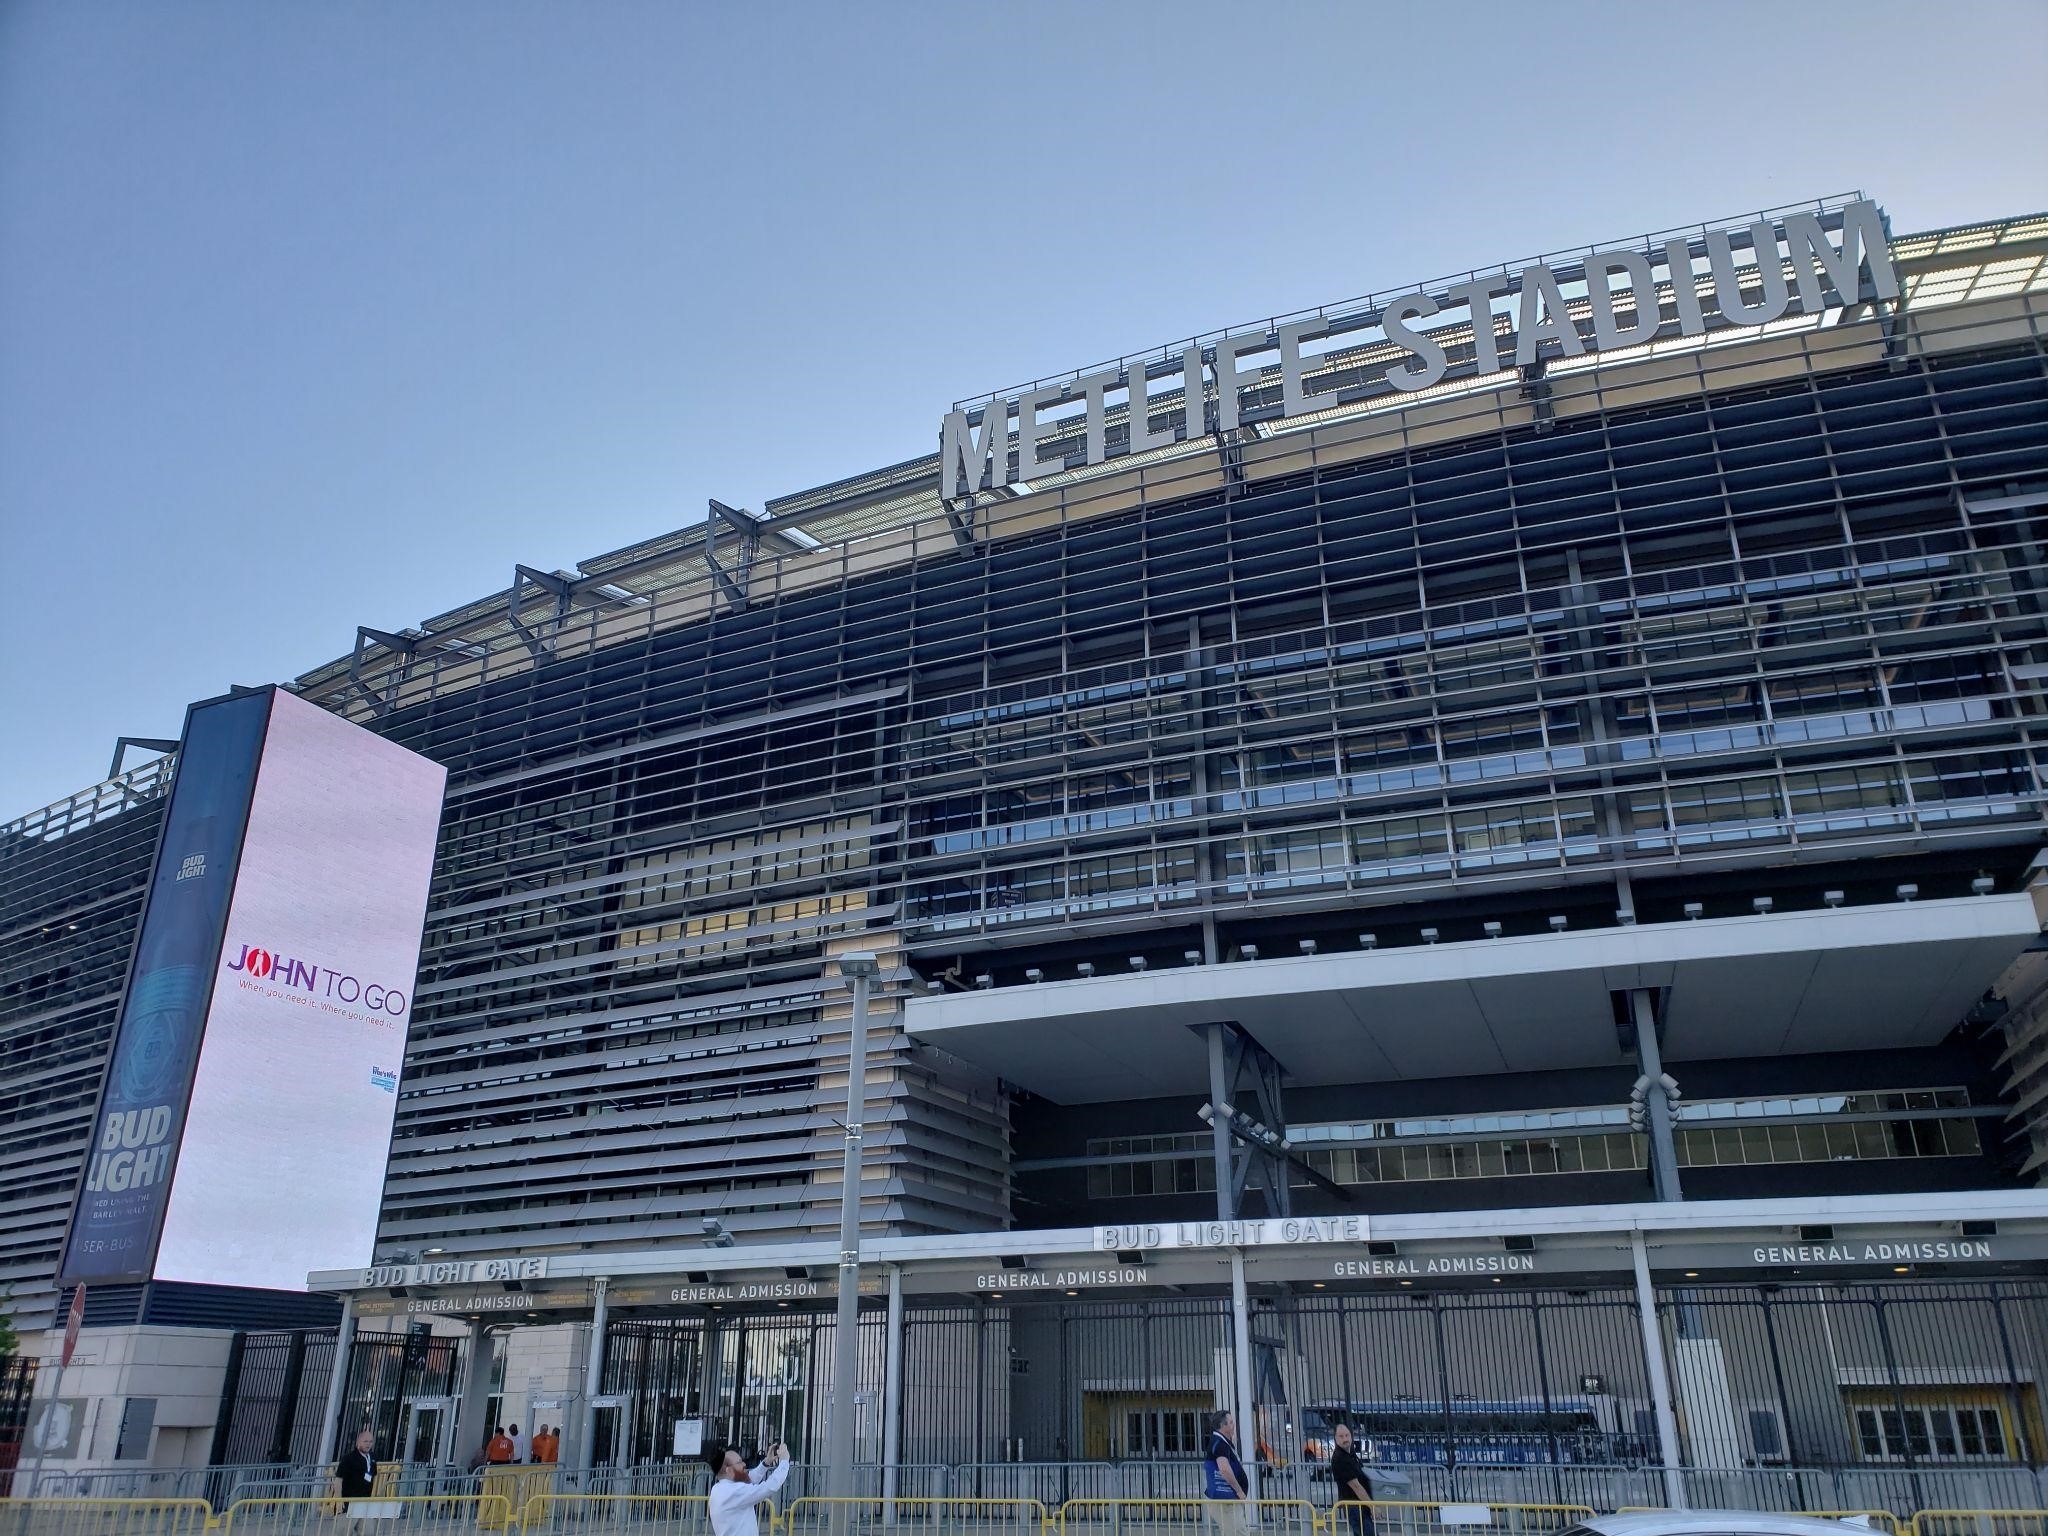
pixel 104 1517
pixel 1981 1522
pixel 591 1514
pixel 1407 1518
pixel 981 1517
pixel 1877 1519
pixel 517 1485
pixel 374 1516
pixel 1186 1517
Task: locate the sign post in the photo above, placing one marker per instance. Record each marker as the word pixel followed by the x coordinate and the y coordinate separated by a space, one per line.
pixel 39 1427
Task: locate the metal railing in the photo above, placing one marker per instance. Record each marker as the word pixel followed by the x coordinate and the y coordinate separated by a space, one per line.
pixel 104 1517
pixel 588 1514
pixel 336 1516
pixel 1169 1517
pixel 851 1517
pixel 1980 1522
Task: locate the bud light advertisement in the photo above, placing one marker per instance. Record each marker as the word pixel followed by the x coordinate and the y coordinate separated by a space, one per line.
pixel 156 1044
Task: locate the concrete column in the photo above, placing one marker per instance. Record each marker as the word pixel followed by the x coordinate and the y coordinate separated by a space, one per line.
pixel 325 1451
pixel 1219 1125
pixel 1660 1375
pixel 593 1376
pixel 892 1386
pixel 1656 1104
pixel 471 1430
pixel 1247 1408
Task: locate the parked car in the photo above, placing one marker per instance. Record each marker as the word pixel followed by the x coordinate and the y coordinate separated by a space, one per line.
pixel 1712 1522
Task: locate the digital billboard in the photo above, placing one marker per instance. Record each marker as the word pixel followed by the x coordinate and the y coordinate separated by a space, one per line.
pixel 156 1041
pixel 281 1169
pixel 246 1119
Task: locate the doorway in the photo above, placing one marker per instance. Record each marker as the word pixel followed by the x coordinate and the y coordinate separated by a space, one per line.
pixel 611 1432
pixel 429 1428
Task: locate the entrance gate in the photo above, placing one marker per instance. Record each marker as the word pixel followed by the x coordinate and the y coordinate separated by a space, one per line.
pixel 429 1430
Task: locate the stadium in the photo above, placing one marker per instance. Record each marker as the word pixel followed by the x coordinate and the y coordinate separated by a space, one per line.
pixel 1494 903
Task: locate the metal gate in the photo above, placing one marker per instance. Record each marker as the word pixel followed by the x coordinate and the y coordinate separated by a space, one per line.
pixel 273 1396
pixel 1923 1393
pixel 751 1378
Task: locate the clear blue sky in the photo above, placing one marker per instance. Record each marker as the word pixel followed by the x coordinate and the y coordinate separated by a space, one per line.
pixel 319 314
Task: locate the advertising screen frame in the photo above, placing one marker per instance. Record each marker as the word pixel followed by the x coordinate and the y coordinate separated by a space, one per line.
pixel 220 764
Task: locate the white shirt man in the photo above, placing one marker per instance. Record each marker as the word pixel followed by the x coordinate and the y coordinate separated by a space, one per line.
pixel 522 1446
pixel 737 1491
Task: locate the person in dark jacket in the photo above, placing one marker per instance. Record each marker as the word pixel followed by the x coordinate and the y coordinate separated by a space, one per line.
pixel 1223 1479
pixel 357 1469
pixel 1354 1488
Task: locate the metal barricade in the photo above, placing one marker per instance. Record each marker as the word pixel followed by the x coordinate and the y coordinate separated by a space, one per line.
pixel 1052 1483
pixel 615 1514
pixel 1186 1517
pixel 104 1517
pixel 1904 1490
pixel 1980 1522
pixel 1774 1490
pixel 378 1515
pixel 157 1483
pixel 855 1517
pixel 1600 1485
pixel 1407 1519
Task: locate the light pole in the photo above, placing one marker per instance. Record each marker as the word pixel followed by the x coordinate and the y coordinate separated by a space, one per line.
pixel 860 968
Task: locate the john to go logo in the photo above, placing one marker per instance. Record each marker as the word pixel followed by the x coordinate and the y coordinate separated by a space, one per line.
pixel 320 981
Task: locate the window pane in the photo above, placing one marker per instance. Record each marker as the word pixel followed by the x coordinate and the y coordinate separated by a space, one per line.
pixel 1945 1430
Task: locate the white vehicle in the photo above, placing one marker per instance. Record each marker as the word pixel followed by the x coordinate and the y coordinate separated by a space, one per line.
pixel 1713 1522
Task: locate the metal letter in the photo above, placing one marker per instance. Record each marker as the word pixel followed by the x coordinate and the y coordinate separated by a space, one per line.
pixel 1228 379
pixel 1554 323
pixel 1029 466
pixel 1685 288
pixel 964 455
pixel 1728 280
pixel 1143 438
pixel 1606 333
pixel 1420 344
pixel 1479 295
pixel 1862 235
pixel 1092 390
pixel 1192 401
pixel 1294 397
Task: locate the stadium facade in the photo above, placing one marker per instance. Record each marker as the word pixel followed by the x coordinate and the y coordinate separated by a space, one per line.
pixel 1544 848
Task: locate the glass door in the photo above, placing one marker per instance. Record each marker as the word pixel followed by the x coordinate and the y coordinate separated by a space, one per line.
pixel 611 1432
pixel 429 1422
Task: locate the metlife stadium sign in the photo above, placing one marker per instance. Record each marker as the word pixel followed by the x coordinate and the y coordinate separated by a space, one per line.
pixel 1488 324
pixel 246 1118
